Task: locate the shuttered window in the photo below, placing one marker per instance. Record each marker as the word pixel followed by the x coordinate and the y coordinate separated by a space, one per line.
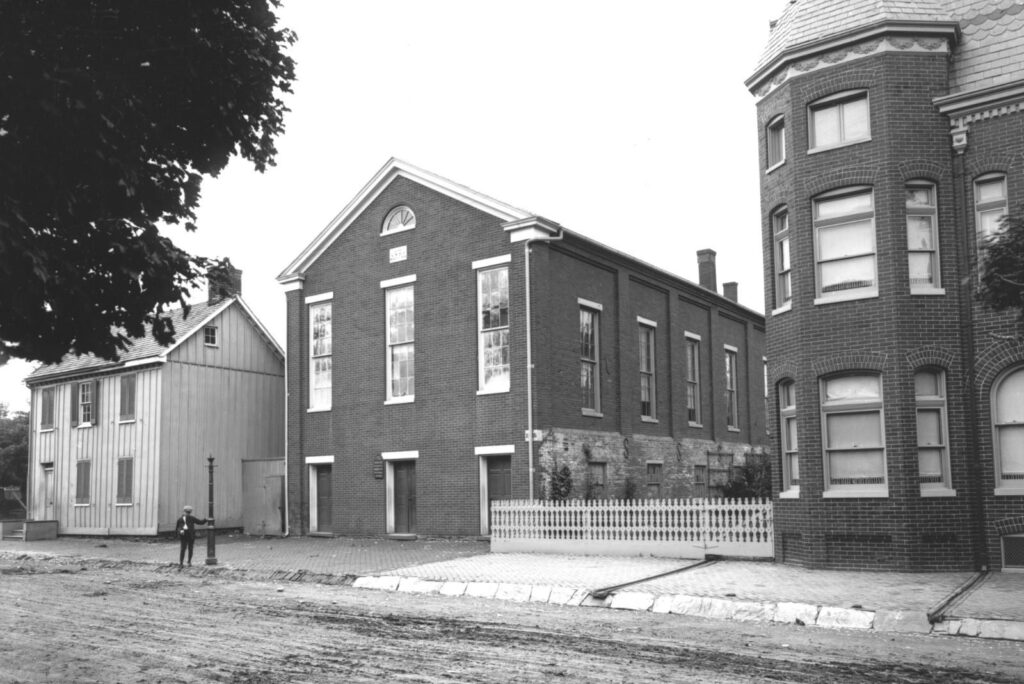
pixel 125 470
pixel 127 392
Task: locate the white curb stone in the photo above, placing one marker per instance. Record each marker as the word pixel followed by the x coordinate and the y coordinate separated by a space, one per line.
pixel 540 594
pixel 482 589
pixel 969 627
pixel 1001 629
pixel 913 621
pixel 513 592
pixel 792 612
pixel 753 611
pixel 845 618
pixel 415 585
pixel 561 595
pixel 632 600
pixel 591 602
pixel 453 589
pixel 387 583
pixel 687 605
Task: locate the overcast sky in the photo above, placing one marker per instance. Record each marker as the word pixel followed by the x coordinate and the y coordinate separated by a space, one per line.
pixel 626 122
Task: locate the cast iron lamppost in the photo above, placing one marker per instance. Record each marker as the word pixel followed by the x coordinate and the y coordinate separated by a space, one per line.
pixel 211 542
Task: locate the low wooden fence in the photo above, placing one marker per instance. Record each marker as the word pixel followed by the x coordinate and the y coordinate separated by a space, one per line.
pixel 672 528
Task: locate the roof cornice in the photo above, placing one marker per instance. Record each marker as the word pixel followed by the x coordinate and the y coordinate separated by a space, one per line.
pixel 394 168
pixel 934 29
pixel 960 103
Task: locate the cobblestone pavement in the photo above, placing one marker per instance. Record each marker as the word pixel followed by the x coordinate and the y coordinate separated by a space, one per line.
pixel 741 590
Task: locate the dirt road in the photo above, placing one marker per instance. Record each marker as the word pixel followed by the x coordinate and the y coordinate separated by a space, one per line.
pixel 67 621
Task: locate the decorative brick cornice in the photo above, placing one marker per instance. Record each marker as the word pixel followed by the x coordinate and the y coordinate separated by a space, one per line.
pixel 787 69
pixel 875 361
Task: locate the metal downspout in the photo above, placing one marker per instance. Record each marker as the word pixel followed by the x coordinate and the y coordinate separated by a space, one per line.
pixel 529 352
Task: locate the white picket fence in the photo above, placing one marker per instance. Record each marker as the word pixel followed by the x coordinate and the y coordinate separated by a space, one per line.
pixel 672 528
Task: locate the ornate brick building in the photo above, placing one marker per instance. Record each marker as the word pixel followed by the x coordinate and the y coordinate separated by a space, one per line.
pixel 891 141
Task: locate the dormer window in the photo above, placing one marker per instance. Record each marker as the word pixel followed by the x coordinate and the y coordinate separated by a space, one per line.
pixel 398 219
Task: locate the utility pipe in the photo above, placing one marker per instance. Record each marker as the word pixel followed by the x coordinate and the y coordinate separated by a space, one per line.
pixel 529 351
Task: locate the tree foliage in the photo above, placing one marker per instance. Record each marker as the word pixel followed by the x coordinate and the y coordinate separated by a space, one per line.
pixel 13 454
pixel 1002 268
pixel 752 480
pixel 111 114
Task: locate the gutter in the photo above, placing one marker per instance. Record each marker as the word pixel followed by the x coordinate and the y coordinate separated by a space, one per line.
pixel 936 614
pixel 604 591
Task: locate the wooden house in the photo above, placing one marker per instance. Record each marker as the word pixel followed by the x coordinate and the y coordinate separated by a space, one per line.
pixel 118 447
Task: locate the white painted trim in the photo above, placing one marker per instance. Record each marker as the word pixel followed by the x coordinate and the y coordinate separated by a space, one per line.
pixel 493 261
pixel 692 336
pixel 589 304
pixel 318 409
pixel 260 327
pixel 882 493
pixel 408 399
pixel 937 492
pixel 202 324
pixel 867 293
pixel 322 297
pixel 399 455
pixel 389 497
pixel 394 168
pixel 788 306
pixel 731 348
pixel 395 282
pixel 295 283
pixel 927 291
pixel 482 466
pixel 144 362
pixel 791 493
pixel 495 450
pixel 316 460
pixel 646 321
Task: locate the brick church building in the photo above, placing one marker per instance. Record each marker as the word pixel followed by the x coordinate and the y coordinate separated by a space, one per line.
pixel 891 142
pixel 446 349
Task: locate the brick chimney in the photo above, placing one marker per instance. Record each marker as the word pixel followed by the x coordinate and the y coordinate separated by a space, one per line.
pixel 706 268
pixel 730 291
pixel 223 285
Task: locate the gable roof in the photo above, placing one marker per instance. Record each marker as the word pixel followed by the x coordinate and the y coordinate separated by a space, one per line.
pixel 393 169
pixel 807 26
pixel 146 350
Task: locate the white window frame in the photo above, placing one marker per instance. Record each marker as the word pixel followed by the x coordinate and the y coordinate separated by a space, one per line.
pixel 934 403
pixel 789 447
pixel 211 336
pixel 407 224
pixel 590 360
pixel 483 453
pixel 930 212
pixel 655 484
pixel 732 399
pixel 484 269
pixel 693 344
pixel 782 261
pixel 775 142
pixel 825 224
pixel 647 350
pixel 311 478
pixel 839 103
pixel 1013 485
pixel 995 207
pixel 391 289
pixel 875 405
pixel 320 394
pixel 86 390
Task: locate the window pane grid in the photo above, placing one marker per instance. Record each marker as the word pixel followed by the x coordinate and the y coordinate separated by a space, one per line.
pixel 320 316
pixel 853 431
pixel 693 381
pixel 647 386
pixel 731 399
pixel 401 316
pixel 492 293
pixel 589 374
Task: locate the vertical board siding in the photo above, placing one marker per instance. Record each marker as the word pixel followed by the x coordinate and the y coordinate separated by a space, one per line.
pixel 239 346
pixel 231 415
pixel 104 443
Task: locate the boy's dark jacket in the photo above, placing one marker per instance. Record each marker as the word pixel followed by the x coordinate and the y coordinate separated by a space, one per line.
pixel 186 526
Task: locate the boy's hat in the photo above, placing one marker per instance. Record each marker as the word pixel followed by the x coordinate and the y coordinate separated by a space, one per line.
pixel 188 508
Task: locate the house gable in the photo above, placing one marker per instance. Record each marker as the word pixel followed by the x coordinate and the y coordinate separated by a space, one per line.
pixel 392 170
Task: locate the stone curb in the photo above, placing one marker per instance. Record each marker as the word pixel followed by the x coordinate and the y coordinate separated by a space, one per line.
pixel 713 608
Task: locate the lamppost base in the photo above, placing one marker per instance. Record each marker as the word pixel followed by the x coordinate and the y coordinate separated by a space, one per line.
pixel 211 561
